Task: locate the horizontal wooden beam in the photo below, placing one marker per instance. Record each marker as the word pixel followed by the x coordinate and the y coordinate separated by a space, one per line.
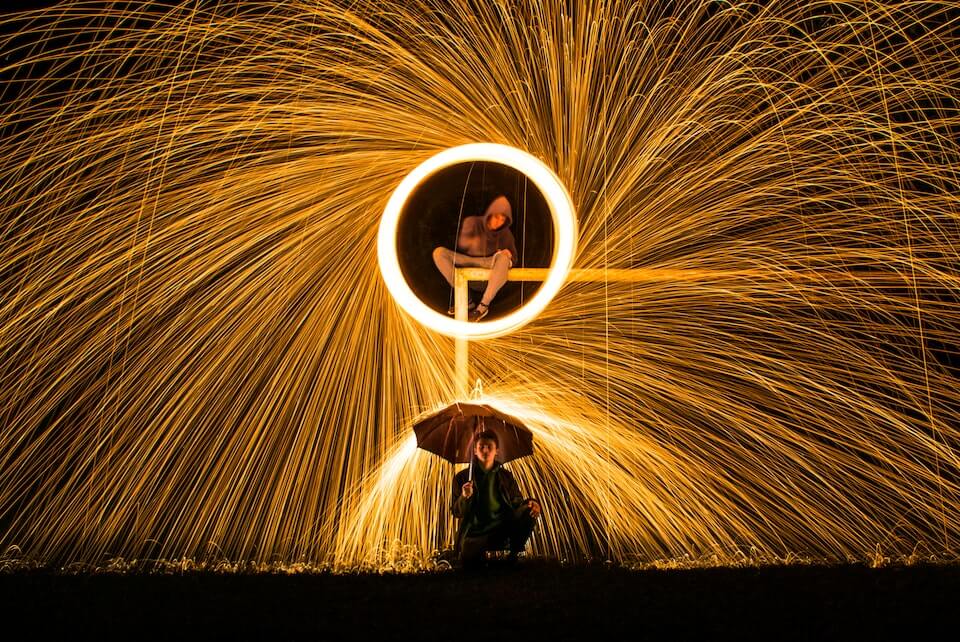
pixel 639 275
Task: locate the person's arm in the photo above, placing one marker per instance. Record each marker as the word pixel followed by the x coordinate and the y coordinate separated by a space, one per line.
pixel 516 499
pixel 460 504
pixel 512 246
pixel 467 239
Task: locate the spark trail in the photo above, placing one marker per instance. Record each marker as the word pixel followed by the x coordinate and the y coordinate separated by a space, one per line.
pixel 197 350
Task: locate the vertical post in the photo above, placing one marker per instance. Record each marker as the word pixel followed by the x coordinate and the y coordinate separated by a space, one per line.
pixel 462 343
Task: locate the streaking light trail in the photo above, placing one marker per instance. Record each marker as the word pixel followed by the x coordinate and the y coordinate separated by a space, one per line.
pixel 199 356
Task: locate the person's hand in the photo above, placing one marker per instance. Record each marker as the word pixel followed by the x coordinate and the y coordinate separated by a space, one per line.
pixel 508 253
pixel 468 490
pixel 534 508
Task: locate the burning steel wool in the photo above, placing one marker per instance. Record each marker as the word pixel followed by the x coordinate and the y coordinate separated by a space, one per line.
pixel 199 351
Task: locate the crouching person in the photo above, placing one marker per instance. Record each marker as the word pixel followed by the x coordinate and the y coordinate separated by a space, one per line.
pixel 491 510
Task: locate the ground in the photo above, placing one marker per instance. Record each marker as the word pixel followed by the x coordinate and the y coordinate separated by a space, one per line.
pixel 539 600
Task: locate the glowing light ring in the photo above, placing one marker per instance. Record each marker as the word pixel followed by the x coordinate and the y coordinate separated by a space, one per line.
pixel 564 233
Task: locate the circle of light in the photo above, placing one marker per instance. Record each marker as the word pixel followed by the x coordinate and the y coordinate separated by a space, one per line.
pixel 564 233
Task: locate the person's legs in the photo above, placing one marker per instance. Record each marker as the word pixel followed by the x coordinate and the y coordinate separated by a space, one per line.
pixel 499 268
pixel 472 550
pixel 446 260
pixel 521 527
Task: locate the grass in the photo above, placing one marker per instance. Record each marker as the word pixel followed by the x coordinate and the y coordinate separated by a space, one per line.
pixel 741 594
pixel 406 560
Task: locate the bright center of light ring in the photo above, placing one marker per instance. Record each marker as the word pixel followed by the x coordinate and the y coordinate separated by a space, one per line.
pixel 564 233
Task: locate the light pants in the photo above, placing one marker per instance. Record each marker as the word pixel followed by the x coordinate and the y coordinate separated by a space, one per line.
pixel 499 265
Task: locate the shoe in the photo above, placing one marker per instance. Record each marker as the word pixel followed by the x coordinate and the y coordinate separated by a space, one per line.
pixel 478 312
pixel 452 310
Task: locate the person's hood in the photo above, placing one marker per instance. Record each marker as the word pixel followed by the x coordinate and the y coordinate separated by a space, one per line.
pixel 501 208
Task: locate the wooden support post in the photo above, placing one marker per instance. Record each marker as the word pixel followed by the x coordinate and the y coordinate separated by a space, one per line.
pixel 462 343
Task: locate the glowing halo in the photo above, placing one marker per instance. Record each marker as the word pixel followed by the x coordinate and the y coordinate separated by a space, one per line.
pixel 564 229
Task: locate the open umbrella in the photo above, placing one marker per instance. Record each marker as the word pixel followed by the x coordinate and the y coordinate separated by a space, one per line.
pixel 450 432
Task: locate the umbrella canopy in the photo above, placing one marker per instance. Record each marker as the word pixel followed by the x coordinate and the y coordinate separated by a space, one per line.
pixel 450 432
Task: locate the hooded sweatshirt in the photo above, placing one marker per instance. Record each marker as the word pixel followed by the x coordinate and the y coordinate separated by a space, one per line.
pixel 476 239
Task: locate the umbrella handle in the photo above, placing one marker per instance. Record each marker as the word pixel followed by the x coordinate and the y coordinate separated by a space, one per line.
pixel 470 458
pixel 473 438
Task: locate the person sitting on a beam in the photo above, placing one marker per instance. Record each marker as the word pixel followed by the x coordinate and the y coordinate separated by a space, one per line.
pixel 485 242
